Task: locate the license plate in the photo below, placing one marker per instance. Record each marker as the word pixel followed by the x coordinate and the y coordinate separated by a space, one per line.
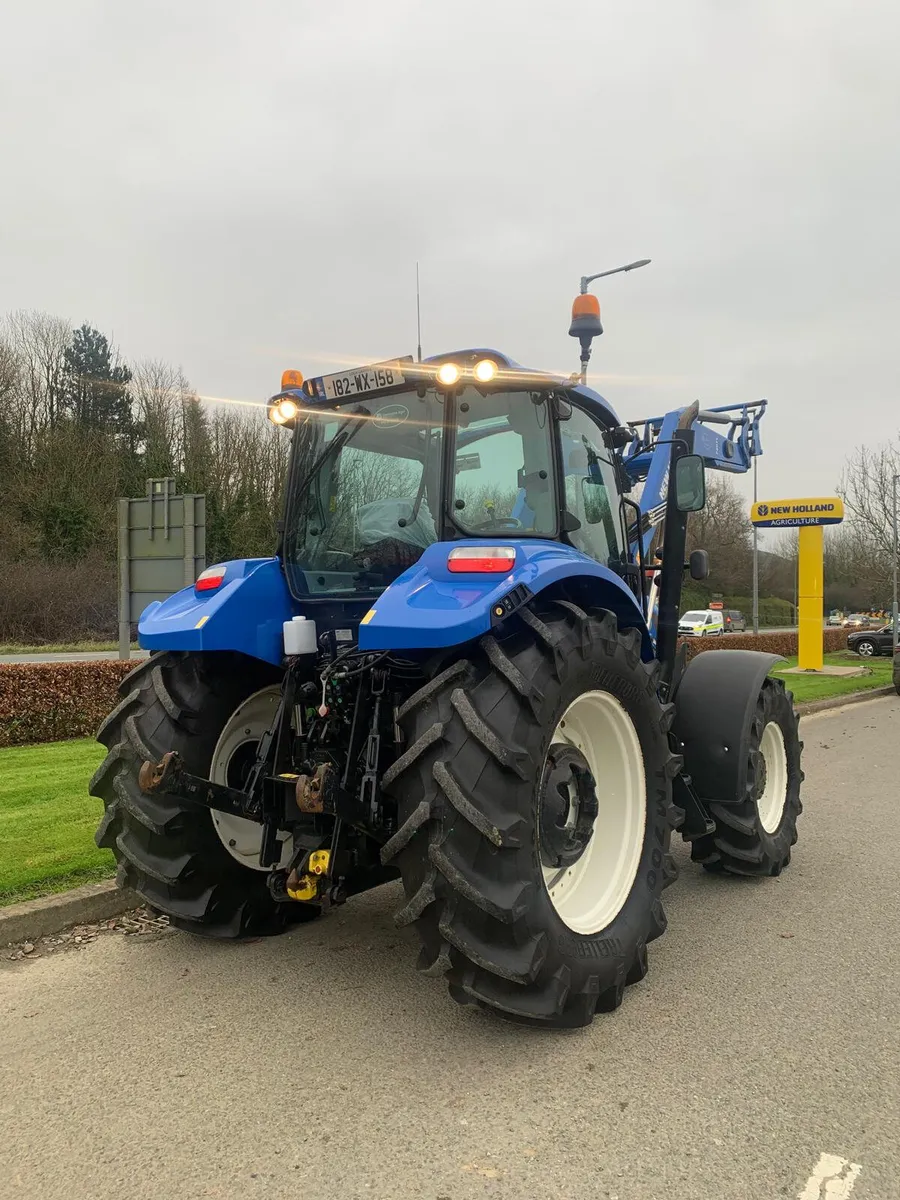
pixel 363 380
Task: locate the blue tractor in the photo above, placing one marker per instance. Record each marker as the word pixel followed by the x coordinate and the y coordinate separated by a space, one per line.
pixel 460 669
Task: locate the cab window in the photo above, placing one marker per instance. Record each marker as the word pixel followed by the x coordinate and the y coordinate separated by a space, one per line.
pixel 591 489
pixel 503 477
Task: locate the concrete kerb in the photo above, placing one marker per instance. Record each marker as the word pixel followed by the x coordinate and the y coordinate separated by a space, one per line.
pixel 50 914
pixel 102 901
pixel 817 706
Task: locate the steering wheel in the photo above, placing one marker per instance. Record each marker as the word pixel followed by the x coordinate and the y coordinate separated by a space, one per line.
pixel 500 523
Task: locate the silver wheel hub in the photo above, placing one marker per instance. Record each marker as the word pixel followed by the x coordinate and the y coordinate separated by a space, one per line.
pixel 232 758
pixel 568 807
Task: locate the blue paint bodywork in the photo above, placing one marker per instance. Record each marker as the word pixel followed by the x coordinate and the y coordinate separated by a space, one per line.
pixel 244 614
pixel 427 607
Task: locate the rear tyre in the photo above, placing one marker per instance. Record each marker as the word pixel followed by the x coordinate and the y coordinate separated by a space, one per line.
pixel 170 853
pixel 755 836
pixel 534 886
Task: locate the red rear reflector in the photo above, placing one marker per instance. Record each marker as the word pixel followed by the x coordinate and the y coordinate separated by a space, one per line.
pixel 482 560
pixel 210 579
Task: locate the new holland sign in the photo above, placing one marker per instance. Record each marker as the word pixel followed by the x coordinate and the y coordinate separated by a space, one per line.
pixel 828 510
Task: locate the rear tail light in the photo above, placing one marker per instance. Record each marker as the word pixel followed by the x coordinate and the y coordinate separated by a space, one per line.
pixel 482 560
pixel 210 579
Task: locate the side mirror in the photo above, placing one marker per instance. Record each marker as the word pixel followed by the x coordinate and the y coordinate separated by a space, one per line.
pixel 690 483
pixel 619 437
pixel 699 564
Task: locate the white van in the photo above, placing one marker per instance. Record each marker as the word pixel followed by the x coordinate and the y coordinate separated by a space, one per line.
pixel 705 622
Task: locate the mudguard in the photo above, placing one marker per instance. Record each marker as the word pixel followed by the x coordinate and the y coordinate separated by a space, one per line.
pixel 430 607
pixel 714 707
pixel 245 613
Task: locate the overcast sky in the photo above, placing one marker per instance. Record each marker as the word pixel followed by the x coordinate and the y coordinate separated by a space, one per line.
pixel 239 188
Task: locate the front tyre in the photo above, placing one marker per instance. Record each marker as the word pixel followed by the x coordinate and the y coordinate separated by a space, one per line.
pixel 755 836
pixel 196 866
pixel 535 817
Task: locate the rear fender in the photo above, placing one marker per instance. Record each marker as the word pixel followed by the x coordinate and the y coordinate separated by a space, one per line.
pixel 245 613
pixel 429 607
pixel 714 707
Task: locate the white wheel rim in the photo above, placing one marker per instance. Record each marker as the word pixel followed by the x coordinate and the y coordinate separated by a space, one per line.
pixel 774 795
pixel 589 894
pixel 241 838
pixel 866 649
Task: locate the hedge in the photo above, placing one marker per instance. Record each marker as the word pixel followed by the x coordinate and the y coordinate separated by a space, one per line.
pixel 49 702
pixel 775 643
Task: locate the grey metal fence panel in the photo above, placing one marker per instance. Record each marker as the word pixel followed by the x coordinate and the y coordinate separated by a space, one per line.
pixel 162 548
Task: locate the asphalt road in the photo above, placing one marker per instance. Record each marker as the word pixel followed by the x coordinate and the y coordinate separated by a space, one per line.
pixel 321 1065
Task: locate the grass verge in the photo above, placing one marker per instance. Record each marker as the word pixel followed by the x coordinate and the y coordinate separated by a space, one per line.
pixel 823 687
pixel 47 820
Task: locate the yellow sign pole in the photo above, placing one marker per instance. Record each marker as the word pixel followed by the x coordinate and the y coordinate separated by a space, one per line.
pixel 807 516
pixel 809 595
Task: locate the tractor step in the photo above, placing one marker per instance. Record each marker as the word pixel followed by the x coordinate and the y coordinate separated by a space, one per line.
pixel 698 821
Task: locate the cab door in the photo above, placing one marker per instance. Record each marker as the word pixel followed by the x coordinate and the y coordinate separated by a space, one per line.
pixel 591 489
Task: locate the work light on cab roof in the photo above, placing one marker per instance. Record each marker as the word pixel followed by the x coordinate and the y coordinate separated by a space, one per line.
pixel 392 375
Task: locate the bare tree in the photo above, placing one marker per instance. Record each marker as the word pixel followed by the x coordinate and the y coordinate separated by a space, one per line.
pixel 38 344
pixel 9 373
pixel 9 380
pixel 247 464
pixel 723 529
pixel 156 395
pixel 867 489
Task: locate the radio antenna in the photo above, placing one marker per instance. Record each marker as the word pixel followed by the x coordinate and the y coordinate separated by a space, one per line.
pixel 418 317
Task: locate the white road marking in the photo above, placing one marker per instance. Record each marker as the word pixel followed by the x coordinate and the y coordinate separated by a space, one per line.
pixel 832 1179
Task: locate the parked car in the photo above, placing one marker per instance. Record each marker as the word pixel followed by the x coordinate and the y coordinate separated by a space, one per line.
pixel 871 642
pixel 897 670
pixel 735 621
pixel 701 622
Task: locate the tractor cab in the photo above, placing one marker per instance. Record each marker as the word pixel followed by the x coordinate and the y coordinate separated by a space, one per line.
pixel 390 459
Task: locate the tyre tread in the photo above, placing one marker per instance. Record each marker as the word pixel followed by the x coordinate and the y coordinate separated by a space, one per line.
pixel 458 844
pixel 740 845
pixel 166 850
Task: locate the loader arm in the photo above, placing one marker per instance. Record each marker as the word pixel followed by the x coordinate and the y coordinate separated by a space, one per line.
pixel 727 438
